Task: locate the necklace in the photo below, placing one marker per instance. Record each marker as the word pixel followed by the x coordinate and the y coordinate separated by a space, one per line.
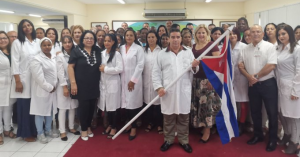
pixel 90 59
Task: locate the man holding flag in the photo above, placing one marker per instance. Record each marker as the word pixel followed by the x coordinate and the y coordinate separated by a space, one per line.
pixel 175 103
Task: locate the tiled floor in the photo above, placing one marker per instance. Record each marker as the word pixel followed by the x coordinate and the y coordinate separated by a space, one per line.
pixel 19 148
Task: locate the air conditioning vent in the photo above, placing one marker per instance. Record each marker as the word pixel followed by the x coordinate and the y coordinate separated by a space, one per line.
pixel 178 13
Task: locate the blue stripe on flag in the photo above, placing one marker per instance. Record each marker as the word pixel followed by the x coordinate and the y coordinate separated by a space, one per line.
pixel 213 79
pixel 229 59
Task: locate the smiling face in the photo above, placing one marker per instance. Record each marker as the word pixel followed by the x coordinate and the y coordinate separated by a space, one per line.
pixel 40 34
pixel 151 39
pixel 77 34
pixel 51 35
pixel 161 31
pixel 4 41
pixel 201 35
pixel 283 36
pixel 88 40
pixel 100 37
pixel 106 29
pixel 233 37
pixel 247 36
pixel 256 34
pixel 164 41
pixel 187 38
pixel 27 28
pixel 65 32
pixel 129 37
pixel 108 42
pixel 143 34
pixel 216 35
pixel 46 47
pixel 242 25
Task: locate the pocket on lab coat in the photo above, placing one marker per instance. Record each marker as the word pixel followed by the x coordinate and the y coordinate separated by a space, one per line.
pixel 112 86
pixel 3 82
pixel 286 87
pixel 40 92
pixel 186 87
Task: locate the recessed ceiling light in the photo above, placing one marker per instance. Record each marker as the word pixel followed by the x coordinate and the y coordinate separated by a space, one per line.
pixel 6 11
pixel 34 15
pixel 207 1
pixel 121 1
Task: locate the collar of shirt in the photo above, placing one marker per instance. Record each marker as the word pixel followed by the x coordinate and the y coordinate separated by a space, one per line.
pixel 44 56
pixel 157 47
pixel 33 41
pixel 181 48
pixel 66 53
pixel 257 45
pixel 287 47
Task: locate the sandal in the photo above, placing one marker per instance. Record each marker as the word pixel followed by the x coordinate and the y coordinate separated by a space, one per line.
pixel 109 136
pixel 1 139
pixel 148 129
pixel 104 132
pixel 10 134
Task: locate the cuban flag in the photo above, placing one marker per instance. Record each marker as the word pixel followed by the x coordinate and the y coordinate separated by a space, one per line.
pixel 218 70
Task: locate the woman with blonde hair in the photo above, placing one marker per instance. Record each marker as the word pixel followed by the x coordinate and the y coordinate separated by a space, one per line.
pixel 76 33
pixel 205 101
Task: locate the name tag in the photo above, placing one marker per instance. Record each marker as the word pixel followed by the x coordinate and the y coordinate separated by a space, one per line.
pixel 257 53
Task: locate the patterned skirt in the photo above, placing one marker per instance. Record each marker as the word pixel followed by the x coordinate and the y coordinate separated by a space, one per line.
pixel 205 104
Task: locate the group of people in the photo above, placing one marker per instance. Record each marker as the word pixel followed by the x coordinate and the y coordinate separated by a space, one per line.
pixel 104 69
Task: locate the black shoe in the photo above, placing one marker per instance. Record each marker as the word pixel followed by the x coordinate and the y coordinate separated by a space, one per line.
pixel 165 146
pixel 64 138
pixel 126 131
pixel 254 140
pixel 75 133
pixel 186 147
pixel 131 137
pixel 203 141
pixel 271 146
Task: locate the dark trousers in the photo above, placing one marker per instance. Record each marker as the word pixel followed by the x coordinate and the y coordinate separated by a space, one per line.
pixel 131 114
pixel 14 116
pixel 154 116
pixel 86 111
pixel 26 122
pixel 112 119
pixel 265 91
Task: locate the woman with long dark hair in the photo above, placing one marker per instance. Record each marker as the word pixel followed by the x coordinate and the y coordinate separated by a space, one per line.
pixel 6 103
pixel 52 34
pixel 270 33
pixel 64 101
pixel 215 34
pixel 22 52
pixel 110 83
pixel 84 75
pixel 132 83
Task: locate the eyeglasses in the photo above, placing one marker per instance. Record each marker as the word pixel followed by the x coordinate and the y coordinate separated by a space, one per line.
pixel 89 39
pixel 3 38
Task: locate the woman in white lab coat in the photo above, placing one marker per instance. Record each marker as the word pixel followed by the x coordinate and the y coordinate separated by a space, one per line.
pixel 52 34
pixel 131 77
pixel 110 82
pixel 288 80
pixel 6 103
pixel 23 50
pixel 64 101
pixel 43 96
pixel 153 114
pixel 240 82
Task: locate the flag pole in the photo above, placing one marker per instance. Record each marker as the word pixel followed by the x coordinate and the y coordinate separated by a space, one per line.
pixel 174 81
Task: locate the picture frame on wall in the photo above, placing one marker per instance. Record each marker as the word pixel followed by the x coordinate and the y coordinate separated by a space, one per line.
pixel 230 23
pixel 94 24
pixel 138 24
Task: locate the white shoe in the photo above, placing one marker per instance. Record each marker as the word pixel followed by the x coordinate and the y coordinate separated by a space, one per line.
pixel 42 138
pixel 91 135
pixel 84 138
pixel 51 134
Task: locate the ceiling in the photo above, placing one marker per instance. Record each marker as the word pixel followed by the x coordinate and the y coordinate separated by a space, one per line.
pixel 148 1
pixel 24 10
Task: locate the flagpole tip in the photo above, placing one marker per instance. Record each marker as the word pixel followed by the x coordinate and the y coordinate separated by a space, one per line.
pixel 231 28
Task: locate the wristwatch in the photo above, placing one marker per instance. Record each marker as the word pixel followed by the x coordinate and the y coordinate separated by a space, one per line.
pixel 256 76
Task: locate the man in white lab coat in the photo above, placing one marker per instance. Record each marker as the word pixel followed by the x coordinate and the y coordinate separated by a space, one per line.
pixel 176 101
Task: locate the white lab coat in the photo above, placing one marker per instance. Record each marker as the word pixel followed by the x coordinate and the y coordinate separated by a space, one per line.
pixel 167 67
pixel 5 81
pixel 149 92
pixel 133 63
pixel 288 80
pixel 63 80
pixel 110 82
pixel 44 79
pixel 56 49
pixel 240 82
pixel 21 56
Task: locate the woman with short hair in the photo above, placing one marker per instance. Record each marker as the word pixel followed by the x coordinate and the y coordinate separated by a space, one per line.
pixel 84 75
pixel 40 33
pixel 76 33
pixel 270 33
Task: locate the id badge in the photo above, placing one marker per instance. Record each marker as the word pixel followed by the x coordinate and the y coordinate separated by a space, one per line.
pixel 257 53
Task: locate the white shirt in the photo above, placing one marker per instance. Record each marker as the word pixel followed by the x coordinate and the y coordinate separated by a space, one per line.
pixel 110 82
pixel 256 57
pixel 149 92
pixel 56 48
pixel 167 67
pixel 44 79
pixel 63 80
pixel 21 56
pixel 5 81
pixel 133 63
pixel 288 80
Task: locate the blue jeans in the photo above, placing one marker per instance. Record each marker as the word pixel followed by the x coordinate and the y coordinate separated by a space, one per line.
pixel 39 123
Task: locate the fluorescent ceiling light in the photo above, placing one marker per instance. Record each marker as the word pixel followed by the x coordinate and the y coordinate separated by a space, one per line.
pixel 34 15
pixel 121 1
pixel 5 11
pixel 207 1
